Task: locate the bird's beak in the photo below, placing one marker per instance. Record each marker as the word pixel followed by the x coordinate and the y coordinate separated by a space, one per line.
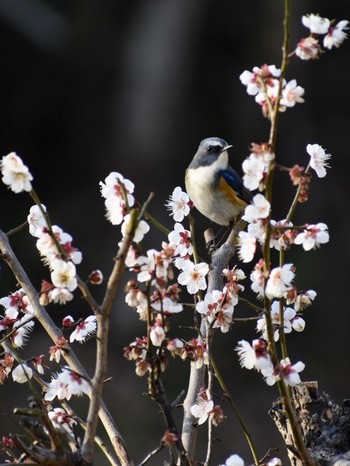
pixel 227 147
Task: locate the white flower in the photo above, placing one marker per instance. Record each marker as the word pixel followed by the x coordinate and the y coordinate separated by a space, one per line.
pixel 259 208
pixel 286 371
pixel 202 408
pixel 308 48
pixel 290 320
pixel 61 420
pixel 253 169
pixel 60 295
pixel 21 335
pixel 15 174
pixel 178 204
pixel 234 460
pixel 141 229
pixel 318 159
pixel 182 239
pixel 193 276
pixel 22 373
pixel 313 236
pixel 84 330
pixel 279 281
pixel 63 274
pixel 304 299
pixel 247 246
pixel 167 305
pixel 66 384
pixel 336 35
pixel 316 24
pixel 117 192
pixel 36 220
pixel 292 94
pixel 157 335
pixel 257 279
pixel 218 308
pixel 298 324
pixel 253 356
pixel 274 462
pixel 253 80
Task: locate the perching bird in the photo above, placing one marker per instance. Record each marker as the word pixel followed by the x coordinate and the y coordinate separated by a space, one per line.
pixel 214 187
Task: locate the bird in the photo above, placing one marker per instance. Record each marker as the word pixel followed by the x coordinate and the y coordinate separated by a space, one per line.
pixel 213 186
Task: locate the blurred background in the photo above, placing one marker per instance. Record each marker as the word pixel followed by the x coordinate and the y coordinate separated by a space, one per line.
pixel 133 86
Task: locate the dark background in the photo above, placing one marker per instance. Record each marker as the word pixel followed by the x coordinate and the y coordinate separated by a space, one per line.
pixel 90 87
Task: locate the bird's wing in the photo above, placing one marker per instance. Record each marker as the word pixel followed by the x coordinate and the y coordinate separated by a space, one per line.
pixel 231 177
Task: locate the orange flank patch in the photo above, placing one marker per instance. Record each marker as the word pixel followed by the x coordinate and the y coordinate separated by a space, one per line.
pixel 228 192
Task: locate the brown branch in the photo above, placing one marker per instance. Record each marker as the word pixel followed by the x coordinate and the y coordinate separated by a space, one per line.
pixel 97 382
pixel 220 260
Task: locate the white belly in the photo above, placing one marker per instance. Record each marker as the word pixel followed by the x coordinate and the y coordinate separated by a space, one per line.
pixel 210 203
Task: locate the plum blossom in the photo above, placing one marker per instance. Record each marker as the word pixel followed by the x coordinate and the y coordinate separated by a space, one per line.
pixel 66 384
pixel 84 330
pixel 59 349
pixel 313 236
pixel 61 420
pixel 336 35
pixel 253 169
pixel 117 192
pixel 316 24
pixel 246 246
pixel 157 333
pixel 234 460
pixel 15 174
pixel 140 231
pixel 308 48
pixel 254 80
pixel 292 94
pixel 318 159
pixel 22 373
pixel 257 279
pixel 178 204
pixel 157 264
pixel 48 249
pixel 233 276
pixel 182 239
pixel 286 371
pixel 290 321
pixel 36 220
pixel 258 209
pixel 167 306
pixel 218 308
pixel 253 356
pixel 20 336
pixel 63 274
pixel 203 408
pixel 193 276
pixel 279 281
pixel 300 300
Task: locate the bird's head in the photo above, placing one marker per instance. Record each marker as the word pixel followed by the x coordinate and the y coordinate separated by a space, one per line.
pixel 211 150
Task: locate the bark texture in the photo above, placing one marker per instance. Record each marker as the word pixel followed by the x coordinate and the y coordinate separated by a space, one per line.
pixel 325 426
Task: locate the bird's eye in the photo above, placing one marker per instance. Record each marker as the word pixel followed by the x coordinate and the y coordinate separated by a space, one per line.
pixel 213 148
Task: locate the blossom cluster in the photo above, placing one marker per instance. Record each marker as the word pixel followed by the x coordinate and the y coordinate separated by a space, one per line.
pixel 266 85
pixel 57 252
pixel 18 316
pixel 309 48
pixel 158 301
